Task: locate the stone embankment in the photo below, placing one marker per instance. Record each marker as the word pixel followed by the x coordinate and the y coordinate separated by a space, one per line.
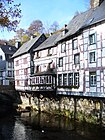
pixel 82 109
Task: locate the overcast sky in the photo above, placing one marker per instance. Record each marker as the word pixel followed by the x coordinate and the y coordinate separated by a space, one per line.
pixel 47 11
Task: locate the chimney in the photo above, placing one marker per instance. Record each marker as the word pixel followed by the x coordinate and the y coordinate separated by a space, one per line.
pixel 32 36
pixel 17 44
pixel 95 3
pixel 66 30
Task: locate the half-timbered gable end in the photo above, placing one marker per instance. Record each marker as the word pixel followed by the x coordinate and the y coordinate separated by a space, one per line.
pixel 44 78
pixel 24 64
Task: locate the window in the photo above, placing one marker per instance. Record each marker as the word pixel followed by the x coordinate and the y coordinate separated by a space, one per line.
pixel 92 79
pixel 26 71
pixel 61 62
pixel 60 80
pixel 1 73
pixel 9 73
pixel 49 52
pixel 63 47
pixel 92 57
pixel 26 82
pixel 1 57
pixel 92 39
pixel 17 81
pixel 74 44
pixel 17 72
pixel 9 64
pixel 37 80
pixel 37 69
pixel 70 79
pixel 76 79
pixel 64 79
pixel 77 59
pixel 25 60
pixel 37 54
pixel 17 62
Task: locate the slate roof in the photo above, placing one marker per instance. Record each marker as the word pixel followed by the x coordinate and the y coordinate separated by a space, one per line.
pixel 84 20
pixel 26 46
pixel 48 43
pixel 8 49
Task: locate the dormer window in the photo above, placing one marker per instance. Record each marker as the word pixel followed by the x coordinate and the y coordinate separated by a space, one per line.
pixel 10 48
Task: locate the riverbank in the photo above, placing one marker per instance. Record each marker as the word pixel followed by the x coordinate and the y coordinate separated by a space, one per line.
pixel 84 110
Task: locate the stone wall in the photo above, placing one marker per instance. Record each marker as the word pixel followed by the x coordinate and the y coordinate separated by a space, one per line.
pixel 85 109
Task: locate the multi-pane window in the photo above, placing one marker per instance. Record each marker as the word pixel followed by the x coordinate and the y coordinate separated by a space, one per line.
pixel 64 79
pixel 74 44
pixel 33 81
pixel 70 79
pixel 63 47
pixel 92 39
pixel 76 79
pixel 77 58
pixel 60 80
pixel 92 79
pixel 92 57
pixel 61 62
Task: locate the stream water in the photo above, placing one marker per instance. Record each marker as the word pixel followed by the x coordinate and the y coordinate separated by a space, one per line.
pixel 34 126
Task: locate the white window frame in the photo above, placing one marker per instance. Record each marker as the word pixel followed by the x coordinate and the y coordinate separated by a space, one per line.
pixel 92 39
pixel 92 79
pixel 63 47
pixel 76 79
pixel 92 57
pixel 77 58
pixel 74 44
pixel 61 62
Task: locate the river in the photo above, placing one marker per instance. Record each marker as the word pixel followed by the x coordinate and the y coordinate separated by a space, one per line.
pixel 34 126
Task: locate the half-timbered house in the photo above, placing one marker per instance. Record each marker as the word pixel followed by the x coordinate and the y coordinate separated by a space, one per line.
pixel 24 64
pixel 6 64
pixel 81 66
pixel 44 78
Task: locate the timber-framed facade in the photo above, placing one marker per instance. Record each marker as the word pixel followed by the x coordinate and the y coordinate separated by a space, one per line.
pixel 71 62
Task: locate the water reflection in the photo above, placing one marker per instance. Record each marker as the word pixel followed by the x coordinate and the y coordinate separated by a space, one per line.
pixel 34 126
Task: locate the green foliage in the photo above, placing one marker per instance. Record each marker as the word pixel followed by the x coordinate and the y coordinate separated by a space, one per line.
pixel 10 14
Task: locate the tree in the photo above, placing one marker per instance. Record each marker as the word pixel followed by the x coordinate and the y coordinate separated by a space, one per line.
pixel 10 14
pixel 35 27
pixel 54 27
pixel 20 33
